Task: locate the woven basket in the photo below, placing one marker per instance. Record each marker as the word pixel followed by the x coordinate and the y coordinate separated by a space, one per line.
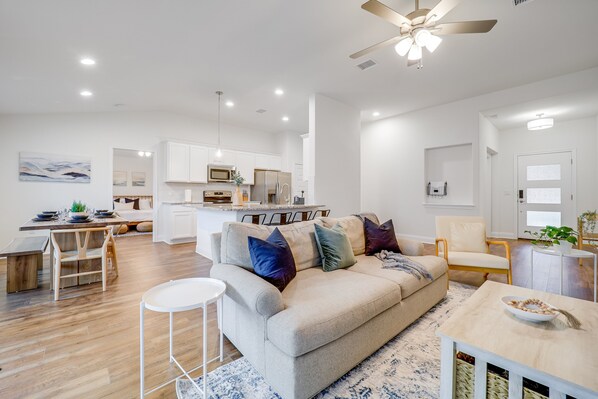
pixel 497 384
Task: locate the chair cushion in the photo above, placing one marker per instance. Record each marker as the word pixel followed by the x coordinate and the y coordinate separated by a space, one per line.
pixel 468 237
pixel 477 260
pixel 409 284
pixel 335 248
pixel 272 259
pixel 300 237
pixel 321 307
pixel 380 237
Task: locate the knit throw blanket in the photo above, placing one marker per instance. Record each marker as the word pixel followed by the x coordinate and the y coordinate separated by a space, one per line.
pixel 391 260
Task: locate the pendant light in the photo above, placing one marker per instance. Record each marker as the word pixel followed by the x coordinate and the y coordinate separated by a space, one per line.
pixel 540 123
pixel 219 150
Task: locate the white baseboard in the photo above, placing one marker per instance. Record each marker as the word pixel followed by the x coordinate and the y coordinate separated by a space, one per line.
pixel 497 234
pixel 424 239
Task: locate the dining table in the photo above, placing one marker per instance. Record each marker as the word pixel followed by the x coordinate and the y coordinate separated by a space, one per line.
pixel 67 242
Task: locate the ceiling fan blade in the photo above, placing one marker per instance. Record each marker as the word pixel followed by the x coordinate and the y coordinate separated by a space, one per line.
pixel 377 46
pixel 441 9
pixel 386 13
pixel 453 28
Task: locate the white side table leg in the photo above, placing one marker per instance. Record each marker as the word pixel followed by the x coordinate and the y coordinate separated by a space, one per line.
pixel 219 310
pixel 141 355
pixel 595 277
pixel 170 335
pixel 561 285
pixel 532 281
pixel 205 351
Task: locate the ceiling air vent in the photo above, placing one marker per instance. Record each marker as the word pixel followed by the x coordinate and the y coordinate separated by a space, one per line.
pixel 368 64
pixel 520 2
pixel 260 111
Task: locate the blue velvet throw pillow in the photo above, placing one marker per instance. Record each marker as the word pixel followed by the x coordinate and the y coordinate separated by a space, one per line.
pixel 335 248
pixel 272 259
pixel 378 238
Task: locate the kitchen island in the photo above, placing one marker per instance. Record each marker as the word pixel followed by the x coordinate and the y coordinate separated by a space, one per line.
pixel 211 218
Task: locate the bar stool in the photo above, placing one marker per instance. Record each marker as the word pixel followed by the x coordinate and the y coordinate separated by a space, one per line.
pixel 256 218
pixel 284 218
pixel 323 213
pixel 305 216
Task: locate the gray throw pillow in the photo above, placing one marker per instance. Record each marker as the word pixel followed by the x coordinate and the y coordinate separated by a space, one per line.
pixel 335 248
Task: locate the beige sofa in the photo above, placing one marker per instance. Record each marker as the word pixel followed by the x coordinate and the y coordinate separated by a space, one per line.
pixel 323 323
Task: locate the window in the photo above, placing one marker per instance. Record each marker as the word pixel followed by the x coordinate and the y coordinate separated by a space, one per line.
pixel 543 172
pixel 543 195
pixel 541 219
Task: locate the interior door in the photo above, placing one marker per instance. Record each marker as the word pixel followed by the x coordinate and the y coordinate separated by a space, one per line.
pixel 545 191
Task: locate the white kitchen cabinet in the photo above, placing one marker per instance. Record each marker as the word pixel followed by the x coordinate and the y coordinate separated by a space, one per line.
pixel 268 162
pixel 177 162
pixel 180 223
pixel 198 164
pixel 227 158
pixel 245 163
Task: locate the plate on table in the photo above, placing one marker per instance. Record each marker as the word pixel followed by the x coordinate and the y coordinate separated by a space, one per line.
pixel 45 216
pixel 80 220
pixel 536 311
pixel 51 219
pixel 50 213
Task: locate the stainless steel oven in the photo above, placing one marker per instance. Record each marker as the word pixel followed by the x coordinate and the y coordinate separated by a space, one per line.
pixel 220 173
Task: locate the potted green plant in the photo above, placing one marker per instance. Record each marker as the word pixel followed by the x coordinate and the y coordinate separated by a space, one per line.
pixel 237 180
pixel 561 238
pixel 78 210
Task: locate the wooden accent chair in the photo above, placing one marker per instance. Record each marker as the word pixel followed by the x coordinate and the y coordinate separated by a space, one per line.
pixel 82 253
pixel 461 241
pixel 585 237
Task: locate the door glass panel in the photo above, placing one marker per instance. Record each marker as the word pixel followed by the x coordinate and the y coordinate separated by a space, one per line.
pixel 541 219
pixel 543 172
pixel 543 195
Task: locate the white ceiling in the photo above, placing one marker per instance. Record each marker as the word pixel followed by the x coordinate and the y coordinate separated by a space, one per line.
pixel 173 56
pixel 566 107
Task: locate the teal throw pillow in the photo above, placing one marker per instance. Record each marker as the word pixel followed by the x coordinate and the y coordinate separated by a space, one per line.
pixel 335 248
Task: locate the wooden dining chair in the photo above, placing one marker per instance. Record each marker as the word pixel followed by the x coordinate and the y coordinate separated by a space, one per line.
pixel 320 213
pixel 280 218
pixel 301 216
pixel 111 253
pixel 255 218
pixel 81 253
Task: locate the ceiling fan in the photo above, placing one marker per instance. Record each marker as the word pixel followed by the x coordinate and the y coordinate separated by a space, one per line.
pixel 420 29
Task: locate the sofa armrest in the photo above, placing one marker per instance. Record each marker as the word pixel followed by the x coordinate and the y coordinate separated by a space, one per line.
pixel 216 241
pixel 248 289
pixel 410 247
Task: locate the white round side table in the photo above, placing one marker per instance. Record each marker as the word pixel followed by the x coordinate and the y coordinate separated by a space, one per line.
pixel 575 253
pixel 180 296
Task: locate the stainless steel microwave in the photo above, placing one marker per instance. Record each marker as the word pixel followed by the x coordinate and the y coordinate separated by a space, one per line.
pixel 220 173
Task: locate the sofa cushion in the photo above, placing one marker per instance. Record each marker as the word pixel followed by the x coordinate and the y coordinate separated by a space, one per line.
pixel 380 237
pixel 300 236
pixel 322 306
pixel 477 260
pixel 335 248
pixel 272 259
pixel 409 284
pixel 353 226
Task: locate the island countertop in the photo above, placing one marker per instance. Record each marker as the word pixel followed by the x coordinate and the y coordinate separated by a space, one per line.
pixel 257 207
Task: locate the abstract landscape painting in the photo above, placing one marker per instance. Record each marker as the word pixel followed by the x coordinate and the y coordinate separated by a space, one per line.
pixel 119 178
pixel 54 168
pixel 138 179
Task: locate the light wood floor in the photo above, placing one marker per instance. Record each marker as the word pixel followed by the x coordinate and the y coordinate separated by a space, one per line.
pixel 87 345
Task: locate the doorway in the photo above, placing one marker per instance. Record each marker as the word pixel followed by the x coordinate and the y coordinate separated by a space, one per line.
pixel 545 188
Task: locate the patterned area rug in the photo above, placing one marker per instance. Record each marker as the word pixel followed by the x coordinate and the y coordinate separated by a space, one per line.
pixel 408 366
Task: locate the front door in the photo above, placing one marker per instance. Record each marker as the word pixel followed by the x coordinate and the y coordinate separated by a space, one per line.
pixel 545 191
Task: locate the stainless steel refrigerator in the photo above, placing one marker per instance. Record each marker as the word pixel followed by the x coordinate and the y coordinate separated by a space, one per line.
pixel 272 187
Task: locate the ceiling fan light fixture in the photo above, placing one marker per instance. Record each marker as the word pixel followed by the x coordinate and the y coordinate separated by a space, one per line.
pixel 422 36
pixel 433 43
pixel 540 123
pixel 402 47
pixel 415 53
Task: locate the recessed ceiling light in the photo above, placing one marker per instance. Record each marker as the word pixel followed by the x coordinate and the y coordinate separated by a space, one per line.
pixel 87 61
pixel 141 153
pixel 376 113
pixel 285 118
pixel 279 92
pixel 86 93
pixel 148 154
pixel 230 104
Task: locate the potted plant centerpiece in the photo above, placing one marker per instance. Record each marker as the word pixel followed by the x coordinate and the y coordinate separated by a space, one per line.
pixel 78 210
pixel 237 180
pixel 561 238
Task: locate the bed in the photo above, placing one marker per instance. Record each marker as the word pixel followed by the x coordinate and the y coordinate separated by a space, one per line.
pixel 135 216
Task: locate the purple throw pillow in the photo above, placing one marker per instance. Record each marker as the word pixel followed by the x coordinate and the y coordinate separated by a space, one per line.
pixel 378 238
pixel 272 259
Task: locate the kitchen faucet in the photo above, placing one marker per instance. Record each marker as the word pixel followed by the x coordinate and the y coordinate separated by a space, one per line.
pixel 287 199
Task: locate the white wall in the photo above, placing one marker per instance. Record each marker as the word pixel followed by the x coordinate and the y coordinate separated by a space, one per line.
pixel 290 147
pixel 95 135
pixel 334 135
pixel 130 163
pixel 579 135
pixel 393 150
pixel 489 144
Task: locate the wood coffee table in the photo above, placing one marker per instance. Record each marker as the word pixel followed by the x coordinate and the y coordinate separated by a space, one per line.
pixel 551 353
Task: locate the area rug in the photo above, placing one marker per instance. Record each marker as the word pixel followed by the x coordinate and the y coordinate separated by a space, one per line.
pixel 408 366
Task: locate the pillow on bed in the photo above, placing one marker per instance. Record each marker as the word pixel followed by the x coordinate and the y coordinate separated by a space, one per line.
pixel 135 202
pixel 119 206
pixel 144 204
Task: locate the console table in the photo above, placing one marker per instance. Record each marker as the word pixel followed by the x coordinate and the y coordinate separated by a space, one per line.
pixel 550 353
